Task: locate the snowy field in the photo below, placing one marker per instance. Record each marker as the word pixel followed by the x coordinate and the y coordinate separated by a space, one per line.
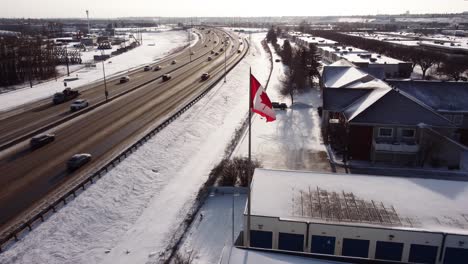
pixel 129 215
pixel 294 140
pixel 165 42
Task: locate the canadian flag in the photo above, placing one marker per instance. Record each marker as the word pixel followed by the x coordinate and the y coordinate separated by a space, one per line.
pixel 260 103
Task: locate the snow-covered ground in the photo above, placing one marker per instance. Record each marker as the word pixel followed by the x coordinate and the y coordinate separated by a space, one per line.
pixel 211 235
pixel 294 140
pixel 165 42
pixel 130 214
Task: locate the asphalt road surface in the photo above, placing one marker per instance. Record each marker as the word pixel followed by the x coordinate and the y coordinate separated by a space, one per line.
pixel 29 178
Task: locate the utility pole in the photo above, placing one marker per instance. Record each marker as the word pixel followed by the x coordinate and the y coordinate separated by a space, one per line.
pixel 87 17
pixel 225 52
pixel 66 60
pixel 106 93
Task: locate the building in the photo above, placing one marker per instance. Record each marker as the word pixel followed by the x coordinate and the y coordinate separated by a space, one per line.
pixel 370 120
pixel 391 68
pixel 386 218
pixel 446 98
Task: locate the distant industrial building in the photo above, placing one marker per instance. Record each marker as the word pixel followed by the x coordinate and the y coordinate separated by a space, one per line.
pixel 379 218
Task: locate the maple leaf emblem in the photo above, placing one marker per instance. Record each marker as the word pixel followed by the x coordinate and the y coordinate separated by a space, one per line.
pixel 265 100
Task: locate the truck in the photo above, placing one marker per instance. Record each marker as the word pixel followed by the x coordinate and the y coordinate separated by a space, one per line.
pixel 64 96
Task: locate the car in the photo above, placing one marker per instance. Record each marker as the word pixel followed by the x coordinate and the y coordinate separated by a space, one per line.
pixel 41 140
pixel 278 60
pixel 209 58
pixel 206 46
pixel 216 54
pixel 173 62
pixel 212 52
pixel 205 76
pixel 157 68
pixel 124 79
pixel 77 161
pixel 78 104
pixel 215 42
pixel 166 77
pixel 241 43
pixel 221 50
pixel 239 51
pixel 147 68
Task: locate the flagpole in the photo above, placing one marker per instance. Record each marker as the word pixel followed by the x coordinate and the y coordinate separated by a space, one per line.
pixel 250 159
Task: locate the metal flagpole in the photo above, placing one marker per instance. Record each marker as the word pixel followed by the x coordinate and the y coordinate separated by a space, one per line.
pixel 250 159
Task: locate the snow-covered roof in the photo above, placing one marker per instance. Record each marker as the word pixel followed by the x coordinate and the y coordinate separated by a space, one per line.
pixel 391 202
pixel 376 59
pixel 365 102
pixel 440 96
pixel 338 77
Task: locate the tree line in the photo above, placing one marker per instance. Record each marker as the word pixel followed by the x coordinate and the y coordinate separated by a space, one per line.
pixel 452 66
pixel 302 64
pixel 31 58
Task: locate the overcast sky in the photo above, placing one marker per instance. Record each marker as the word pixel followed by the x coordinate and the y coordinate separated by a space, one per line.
pixel 127 8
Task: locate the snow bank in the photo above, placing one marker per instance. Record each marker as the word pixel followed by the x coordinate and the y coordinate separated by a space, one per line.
pixel 129 214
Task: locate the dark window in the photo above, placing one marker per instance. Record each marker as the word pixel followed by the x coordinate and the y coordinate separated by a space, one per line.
pixel 291 242
pixel 385 132
pixel 389 250
pixel 456 255
pixel 323 245
pixel 355 248
pixel 407 133
pixel 261 239
pixel 423 254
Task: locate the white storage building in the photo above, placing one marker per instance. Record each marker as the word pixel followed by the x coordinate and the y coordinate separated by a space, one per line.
pixel 388 218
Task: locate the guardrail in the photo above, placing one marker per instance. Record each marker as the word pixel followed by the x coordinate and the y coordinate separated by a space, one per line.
pixel 87 109
pixel 20 230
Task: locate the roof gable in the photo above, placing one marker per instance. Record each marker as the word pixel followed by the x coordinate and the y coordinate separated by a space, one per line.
pixel 397 108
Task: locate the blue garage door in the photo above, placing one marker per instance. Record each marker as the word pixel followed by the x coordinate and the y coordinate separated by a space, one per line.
pixel 355 248
pixel 423 254
pixel 323 245
pixel 456 255
pixel 291 242
pixel 389 250
pixel 261 239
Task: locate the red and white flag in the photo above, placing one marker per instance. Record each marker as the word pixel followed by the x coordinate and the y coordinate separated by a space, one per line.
pixel 261 104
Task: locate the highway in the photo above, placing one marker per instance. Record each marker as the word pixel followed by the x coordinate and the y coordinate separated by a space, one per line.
pixel 29 178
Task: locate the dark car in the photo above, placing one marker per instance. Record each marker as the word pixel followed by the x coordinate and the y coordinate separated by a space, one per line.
pixel 147 68
pixel 78 160
pixel 124 79
pixel 205 76
pixel 157 68
pixel 41 140
pixel 216 54
pixel 278 60
pixel 209 58
pixel 166 77
pixel 239 51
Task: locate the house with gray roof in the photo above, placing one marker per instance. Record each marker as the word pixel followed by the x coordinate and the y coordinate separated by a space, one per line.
pixel 371 120
pixel 446 98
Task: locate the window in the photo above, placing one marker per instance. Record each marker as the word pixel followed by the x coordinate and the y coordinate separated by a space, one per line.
pixel 323 245
pixel 407 133
pixel 355 248
pixel 458 119
pixel 385 132
pixel 389 250
pixel 423 254
pixel 291 242
pixel 261 239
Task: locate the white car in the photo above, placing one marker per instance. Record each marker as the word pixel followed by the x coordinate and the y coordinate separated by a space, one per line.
pixel 78 105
